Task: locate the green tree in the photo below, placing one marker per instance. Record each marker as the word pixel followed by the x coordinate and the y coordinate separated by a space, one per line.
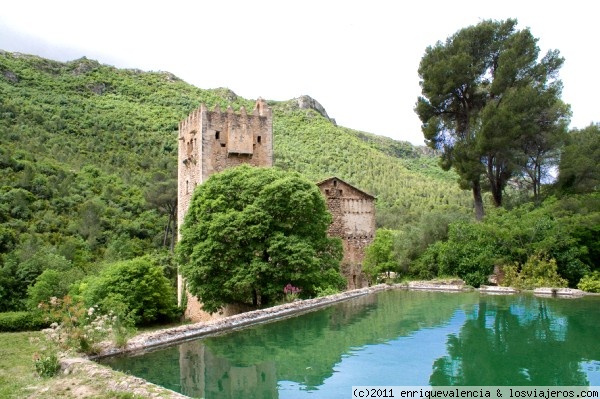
pixel 477 102
pixel 578 170
pixel 250 231
pixel 162 195
pixel 379 255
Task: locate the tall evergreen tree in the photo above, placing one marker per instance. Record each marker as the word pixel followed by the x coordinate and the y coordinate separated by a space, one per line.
pixel 579 172
pixel 486 99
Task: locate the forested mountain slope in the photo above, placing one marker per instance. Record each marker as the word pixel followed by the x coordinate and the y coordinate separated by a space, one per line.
pixel 407 181
pixel 88 160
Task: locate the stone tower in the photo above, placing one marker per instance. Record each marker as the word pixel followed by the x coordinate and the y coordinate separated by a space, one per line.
pixel 212 141
pixel 353 214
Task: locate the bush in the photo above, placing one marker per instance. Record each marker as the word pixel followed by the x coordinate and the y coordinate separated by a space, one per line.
pixel 139 285
pixel 51 283
pixel 469 254
pixel 564 231
pixel 46 364
pixel 537 272
pixel 22 321
pixel 80 329
pixel 326 291
pixel 590 283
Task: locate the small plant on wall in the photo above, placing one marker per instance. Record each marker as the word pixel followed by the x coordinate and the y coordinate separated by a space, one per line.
pixel 291 293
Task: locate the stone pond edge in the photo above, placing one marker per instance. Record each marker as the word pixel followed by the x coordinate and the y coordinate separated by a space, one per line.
pixel 170 336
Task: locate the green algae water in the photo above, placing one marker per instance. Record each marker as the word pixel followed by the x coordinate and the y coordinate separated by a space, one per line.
pixel 397 337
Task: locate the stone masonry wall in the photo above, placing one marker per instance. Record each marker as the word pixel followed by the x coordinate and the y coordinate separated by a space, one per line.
pixel 353 214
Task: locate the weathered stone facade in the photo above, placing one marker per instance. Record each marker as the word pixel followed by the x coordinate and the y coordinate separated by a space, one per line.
pixel 212 141
pixel 353 214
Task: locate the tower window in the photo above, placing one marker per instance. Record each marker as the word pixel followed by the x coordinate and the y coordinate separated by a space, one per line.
pixel 217 134
pixel 258 139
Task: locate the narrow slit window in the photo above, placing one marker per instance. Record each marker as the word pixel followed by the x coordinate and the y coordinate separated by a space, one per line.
pixel 217 134
pixel 258 139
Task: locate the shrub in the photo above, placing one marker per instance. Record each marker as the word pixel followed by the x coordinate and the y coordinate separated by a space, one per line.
pixel 537 272
pixel 51 283
pixel 326 291
pixel 22 321
pixel 46 364
pixel 468 254
pixel 139 285
pixel 82 329
pixel 590 283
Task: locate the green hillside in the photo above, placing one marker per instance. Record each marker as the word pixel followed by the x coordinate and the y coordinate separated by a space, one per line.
pixel 88 159
pixel 407 181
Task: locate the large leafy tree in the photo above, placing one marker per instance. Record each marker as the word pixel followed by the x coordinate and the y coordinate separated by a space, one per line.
pixel 486 100
pixel 251 231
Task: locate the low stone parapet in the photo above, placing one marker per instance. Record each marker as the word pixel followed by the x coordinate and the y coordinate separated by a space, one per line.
pixel 454 285
pixel 561 292
pixel 497 290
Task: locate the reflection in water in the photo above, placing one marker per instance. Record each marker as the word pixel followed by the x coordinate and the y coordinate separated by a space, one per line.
pixel 204 375
pixel 387 339
pixel 520 340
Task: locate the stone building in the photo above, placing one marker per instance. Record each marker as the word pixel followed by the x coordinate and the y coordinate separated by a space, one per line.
pixel 353 213
pixel 212 141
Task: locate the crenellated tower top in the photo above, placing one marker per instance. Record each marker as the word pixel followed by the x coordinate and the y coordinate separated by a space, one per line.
pixel 212 141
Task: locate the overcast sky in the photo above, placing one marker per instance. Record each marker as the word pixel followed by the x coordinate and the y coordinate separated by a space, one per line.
pixel 359 59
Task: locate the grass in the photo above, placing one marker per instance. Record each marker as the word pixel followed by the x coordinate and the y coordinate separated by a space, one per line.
pixel 18 379
pixel 17 372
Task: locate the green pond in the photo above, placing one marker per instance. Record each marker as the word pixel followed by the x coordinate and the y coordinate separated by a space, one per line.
pixel 396 337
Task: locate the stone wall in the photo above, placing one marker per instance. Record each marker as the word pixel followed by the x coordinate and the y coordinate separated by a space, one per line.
pixel 353 214
pixel 212 141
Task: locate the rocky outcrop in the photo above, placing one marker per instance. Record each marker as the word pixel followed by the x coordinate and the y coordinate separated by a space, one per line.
pixel 307 102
